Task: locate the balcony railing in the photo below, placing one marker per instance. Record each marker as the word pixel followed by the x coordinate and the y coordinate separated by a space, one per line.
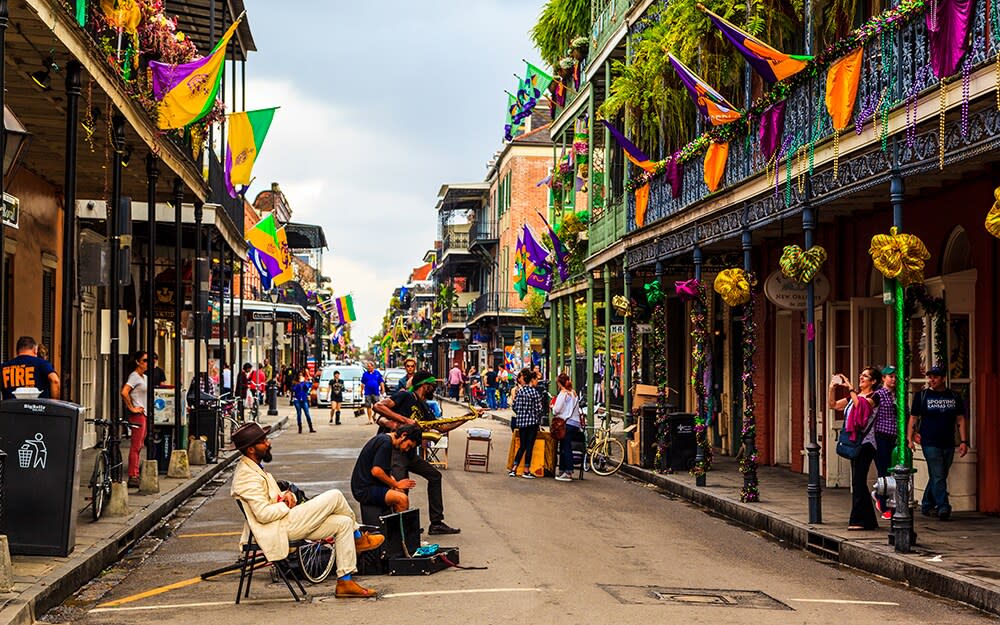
pixel 908 75
pixel 506 302
pixel 455 242
pixel 483 231
pixel 456 315
pixel 607 228
pixel 608 16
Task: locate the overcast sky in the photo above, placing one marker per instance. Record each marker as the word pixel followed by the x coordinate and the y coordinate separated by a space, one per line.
pixel 381 103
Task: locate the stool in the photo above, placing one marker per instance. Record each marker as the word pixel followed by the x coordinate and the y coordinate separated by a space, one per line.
pixel 435 444
pixel 478 459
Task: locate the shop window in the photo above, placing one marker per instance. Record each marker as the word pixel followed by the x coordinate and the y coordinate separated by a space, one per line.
pixel 48 308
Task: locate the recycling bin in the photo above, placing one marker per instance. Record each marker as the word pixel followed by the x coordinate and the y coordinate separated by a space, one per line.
pixel 42 475
pixel 683 444
pixel 163 446
pixel 205 424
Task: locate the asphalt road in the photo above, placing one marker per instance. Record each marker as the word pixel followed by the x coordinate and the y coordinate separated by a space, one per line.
pixel 605 550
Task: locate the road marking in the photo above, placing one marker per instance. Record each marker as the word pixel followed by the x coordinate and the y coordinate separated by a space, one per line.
pixel 209 534
pixel 151 593
pixel 202 604
pixel 456 592
pixel 847 601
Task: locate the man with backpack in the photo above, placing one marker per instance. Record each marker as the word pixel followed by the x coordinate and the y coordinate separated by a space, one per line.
pixel 934 414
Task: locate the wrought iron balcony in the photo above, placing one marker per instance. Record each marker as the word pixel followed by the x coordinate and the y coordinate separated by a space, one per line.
pixel 607 227
pixel 903 77
pixel 492 303
pixel 609 15
pixel 455 241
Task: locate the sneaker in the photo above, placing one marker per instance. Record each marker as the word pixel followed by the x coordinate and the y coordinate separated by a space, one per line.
pixel 133 482
pixel 944 515
pixel 887 515
pixel 512 474
pixel 528 475
pixel 564 477
pixel 441 528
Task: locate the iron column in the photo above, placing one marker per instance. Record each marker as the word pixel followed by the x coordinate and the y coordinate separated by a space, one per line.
pixel 607 336
pixel 68 318
pixel 814 489
pixel 627 349
pixel 180 423
pixel 749 422
pixel 702 437
pixel 152 174
pixel 196 299
pixel 114 241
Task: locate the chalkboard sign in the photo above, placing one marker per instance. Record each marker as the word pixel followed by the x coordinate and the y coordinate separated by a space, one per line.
pixel 42 439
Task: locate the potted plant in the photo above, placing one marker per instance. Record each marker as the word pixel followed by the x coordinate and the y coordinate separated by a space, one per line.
pixel 579 47
pixel 565 68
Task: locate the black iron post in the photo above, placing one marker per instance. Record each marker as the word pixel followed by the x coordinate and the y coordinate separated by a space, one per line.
pixel 241 325
pixel 814 489
pixel 114 242
pixel 180 423
pixel 749 423
pixel 67 319
pixel 196 300
pixel 222 314
pixel 152 175
pixel 4 330
pixel 272 386
pixel 699 454
pixel 627 348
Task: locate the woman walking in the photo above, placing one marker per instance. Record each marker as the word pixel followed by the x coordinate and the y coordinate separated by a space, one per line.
pixel 859 419
pixel 135 395
pixel 527 407
pixel 300 399
pixel 567 407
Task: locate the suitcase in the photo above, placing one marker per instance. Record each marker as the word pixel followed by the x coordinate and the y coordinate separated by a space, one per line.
pixel 424 565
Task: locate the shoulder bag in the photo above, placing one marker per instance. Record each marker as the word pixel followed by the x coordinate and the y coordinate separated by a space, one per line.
pixel 557 429
pixel 846 448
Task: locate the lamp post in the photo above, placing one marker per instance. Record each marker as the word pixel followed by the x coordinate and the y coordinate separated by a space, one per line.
pixel 272 387
pixel 547 313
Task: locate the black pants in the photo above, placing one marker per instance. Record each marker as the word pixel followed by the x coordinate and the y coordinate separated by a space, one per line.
pixel 404 464
pixel 862 509
pixel 526 437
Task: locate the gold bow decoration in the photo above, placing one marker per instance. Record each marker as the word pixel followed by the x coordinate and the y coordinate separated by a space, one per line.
pixel 621 305
pixel 993 217
pixel 733 285
pixel 900 256
pixel 800 265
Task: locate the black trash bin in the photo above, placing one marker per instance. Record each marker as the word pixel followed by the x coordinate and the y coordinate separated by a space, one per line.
pixel 649 433
pixel 42 475
pixel 205 423
pixel 163 446
pixel 683 444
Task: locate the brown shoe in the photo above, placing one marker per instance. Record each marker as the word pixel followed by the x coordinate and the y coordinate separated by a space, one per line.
pixel 367 542
pixel 347 588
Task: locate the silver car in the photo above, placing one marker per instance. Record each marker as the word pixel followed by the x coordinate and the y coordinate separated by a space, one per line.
pixel 353 390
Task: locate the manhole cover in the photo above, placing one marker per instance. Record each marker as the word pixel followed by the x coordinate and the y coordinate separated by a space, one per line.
pixel 658 595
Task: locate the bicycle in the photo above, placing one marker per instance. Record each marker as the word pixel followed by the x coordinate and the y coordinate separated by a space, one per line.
pixel 316 559
pixel 229 418
pixel 105 463
pixel 605 452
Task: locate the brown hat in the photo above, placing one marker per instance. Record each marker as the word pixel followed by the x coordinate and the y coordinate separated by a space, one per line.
pixel 249 434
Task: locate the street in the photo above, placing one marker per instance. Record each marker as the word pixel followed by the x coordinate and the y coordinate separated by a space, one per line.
pixel 605 550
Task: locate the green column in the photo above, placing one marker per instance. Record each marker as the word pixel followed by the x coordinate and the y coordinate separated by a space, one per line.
pixel 607 144
pixel 590 156
pixel 627 357
pixel 572 341
pixel 607 336
pixel 551 352
pixel 589 361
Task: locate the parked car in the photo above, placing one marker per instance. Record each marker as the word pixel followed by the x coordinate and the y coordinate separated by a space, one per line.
pixel 353 391
pixel 392 378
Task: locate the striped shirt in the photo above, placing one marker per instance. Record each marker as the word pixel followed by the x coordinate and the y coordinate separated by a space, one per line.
pixel 527 407
pixel 885 412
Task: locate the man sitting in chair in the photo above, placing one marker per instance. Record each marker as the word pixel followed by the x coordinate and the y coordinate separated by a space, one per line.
pixel 275 517
pixel 372 482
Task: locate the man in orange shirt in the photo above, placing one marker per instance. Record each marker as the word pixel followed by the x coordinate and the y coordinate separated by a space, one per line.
pixel 27 369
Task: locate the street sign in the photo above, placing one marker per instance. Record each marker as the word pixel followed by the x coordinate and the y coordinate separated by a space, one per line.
pixel 618 328
pixel 791 295
pixel 259 315
pixel 11 210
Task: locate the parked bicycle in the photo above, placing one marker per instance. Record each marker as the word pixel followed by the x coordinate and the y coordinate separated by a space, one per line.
pixel 109 458
pixel 605 453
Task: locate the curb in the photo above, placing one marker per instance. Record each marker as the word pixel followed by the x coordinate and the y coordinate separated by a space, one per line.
pixel 830 546
pixel 55 587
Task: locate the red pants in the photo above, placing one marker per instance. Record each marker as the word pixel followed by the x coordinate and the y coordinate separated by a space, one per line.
pixel 138 438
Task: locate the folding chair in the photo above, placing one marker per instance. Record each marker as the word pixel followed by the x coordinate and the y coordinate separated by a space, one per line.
pixel 482 457
pixel 251 551
pixel 435 444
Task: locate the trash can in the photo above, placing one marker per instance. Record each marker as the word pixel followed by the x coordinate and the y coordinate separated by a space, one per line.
pixel 649 433
pixel 42 475
pixel 205 423
pixel 163 446
pixel 683 444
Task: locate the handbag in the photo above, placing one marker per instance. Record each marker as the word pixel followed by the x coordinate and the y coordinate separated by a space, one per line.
pixel 557 427
pixel 848 449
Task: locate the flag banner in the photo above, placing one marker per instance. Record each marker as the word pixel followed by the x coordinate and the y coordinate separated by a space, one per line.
pixel 345 309
pixel 265 250
pixel 186 92
pixel 246 136
pixel 557 97
pixel 558 249
pixel 842 87
pixel 536 81
pixel 265 266
pixel 537 269
pixel 769 63
pixel 710 102
pixel 520 281
pixel 632 152
pixel 512 126
pixel 715 164
pixel 284 258
pixel 641 204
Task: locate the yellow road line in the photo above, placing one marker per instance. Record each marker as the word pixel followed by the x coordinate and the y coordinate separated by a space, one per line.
pixel 200 604
pixel 209 535
pixel 151 593
pixel 845 601
pixel 465 591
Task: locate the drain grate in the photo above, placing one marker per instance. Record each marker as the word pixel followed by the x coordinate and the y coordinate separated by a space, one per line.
pixel 658 595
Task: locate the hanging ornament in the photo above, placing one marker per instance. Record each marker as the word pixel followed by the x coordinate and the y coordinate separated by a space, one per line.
pixel 733 285
pixel 993 216
pixel 900 256
pixel 622 306
pixel 801 266
pixel 687 290
pixel 943 103
pixel 653 293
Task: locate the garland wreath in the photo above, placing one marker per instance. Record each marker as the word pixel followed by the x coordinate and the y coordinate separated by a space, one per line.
pixel 918 296
pixel 699 334
pixel 654 295
pixel 748 462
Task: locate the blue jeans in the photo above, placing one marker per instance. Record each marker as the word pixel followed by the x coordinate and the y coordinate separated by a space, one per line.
pixel 566 448
pixel 938 463
pixel 300 407
pixel 491 397
pixel 884 446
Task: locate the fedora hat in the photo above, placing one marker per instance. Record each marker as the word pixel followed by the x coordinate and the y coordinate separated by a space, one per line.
pixel 248 434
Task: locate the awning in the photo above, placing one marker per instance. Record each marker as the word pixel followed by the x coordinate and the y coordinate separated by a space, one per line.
pixel 305 236
pixel 256 310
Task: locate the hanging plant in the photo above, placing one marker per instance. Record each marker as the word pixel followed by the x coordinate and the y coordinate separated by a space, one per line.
pixel 699 338
pixel 748 457
pixel 579 47
pixel 565 68
pixel 559 22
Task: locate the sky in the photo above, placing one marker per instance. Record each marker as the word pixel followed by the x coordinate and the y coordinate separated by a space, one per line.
pixel 381 104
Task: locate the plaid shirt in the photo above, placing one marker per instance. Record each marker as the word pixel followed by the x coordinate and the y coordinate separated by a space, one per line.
pixel 885 413
pixel 527 407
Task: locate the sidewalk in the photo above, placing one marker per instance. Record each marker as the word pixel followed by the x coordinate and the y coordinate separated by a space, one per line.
pixel 42 582
pixel 957 559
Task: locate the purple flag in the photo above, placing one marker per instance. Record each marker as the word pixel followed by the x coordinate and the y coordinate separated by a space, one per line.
pixel 540 275
pixel 558 248
pixel 948 29
pixel 772 125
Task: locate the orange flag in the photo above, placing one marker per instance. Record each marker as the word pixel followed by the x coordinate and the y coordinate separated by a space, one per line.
pixel 842 87
pixel 641 202
pixel 715 164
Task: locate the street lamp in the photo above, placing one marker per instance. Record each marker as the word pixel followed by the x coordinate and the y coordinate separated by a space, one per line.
pixel 272 387
pixel 547 310
pixel 467 333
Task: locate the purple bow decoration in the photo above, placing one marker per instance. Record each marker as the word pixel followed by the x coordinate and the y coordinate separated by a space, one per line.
pixel 687 290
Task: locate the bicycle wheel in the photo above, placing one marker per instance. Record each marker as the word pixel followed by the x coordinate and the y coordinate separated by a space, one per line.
pixel 316 560
pixel 254 410
pixel 99 485
pixel 607 457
